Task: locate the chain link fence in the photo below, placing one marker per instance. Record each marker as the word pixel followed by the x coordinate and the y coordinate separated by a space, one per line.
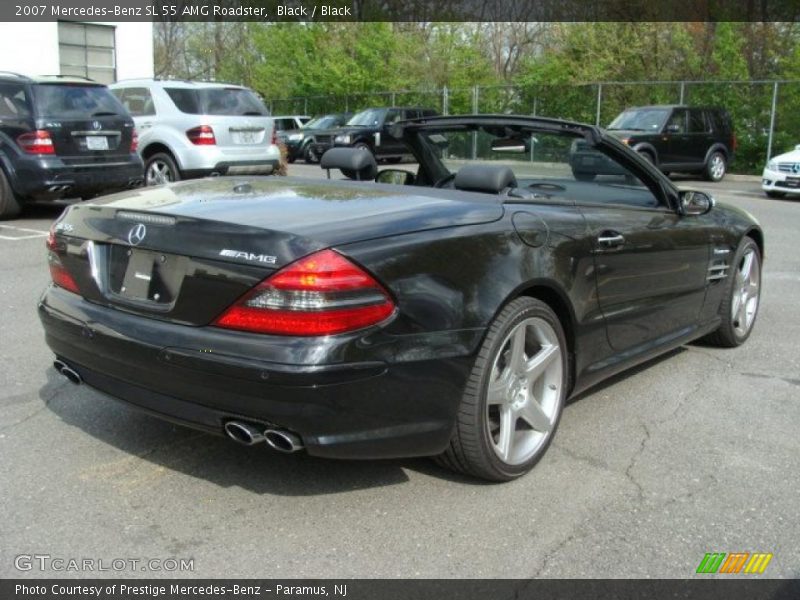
pixel 766 114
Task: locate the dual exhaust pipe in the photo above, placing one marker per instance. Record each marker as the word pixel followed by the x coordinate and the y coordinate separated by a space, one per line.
pixel 241 432
pixel 248 434
pixel 71 374
pixel 53 189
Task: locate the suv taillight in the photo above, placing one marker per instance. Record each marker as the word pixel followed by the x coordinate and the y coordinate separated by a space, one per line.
pixel 58 273
pixel 202 136
pixel 321 294
pixel 36 142
pixel 134 141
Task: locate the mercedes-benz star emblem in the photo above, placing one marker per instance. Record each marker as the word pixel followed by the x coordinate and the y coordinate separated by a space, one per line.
pixel 97 125
pixel 136 234
pixel 796 168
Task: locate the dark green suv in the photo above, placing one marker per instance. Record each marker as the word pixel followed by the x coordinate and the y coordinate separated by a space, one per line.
pixel 62 137
pixel 673 137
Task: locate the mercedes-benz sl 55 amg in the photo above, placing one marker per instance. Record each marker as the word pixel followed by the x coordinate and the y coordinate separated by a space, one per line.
pixel 444 310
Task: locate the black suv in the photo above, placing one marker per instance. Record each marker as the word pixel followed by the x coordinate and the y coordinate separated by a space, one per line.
pixel 370 129
pixel 299 142
pixel 674 138
pixel 62 136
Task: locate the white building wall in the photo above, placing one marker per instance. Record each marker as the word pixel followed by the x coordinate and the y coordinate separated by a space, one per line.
pixel 32 48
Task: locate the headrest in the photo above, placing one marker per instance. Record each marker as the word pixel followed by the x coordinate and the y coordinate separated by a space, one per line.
pixel 484 178
pixel 358 161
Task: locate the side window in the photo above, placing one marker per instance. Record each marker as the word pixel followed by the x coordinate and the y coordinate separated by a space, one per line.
pixel 13 102
pixel 410 114
pixel 186 100
pixel 677 122
pixel 392 117
pixel 137 101
pixel 697 122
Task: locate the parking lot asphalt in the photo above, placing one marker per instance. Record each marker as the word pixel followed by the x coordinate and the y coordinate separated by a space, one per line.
pixel 695 452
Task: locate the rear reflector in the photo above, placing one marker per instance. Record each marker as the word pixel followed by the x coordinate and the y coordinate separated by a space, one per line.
pixel 58 273
pixel 321 294
pixel 202 136
pixel 36 142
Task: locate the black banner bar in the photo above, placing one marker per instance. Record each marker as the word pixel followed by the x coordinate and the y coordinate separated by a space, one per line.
pixel 734 588
pixel 401 10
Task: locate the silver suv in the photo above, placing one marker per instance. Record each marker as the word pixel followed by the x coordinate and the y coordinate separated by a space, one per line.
pixel 193 129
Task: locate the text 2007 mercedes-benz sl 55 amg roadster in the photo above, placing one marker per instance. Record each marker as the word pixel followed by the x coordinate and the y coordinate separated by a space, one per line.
pixel 444 310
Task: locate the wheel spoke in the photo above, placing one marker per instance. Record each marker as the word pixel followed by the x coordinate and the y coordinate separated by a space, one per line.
pixel 747 266
pixel 534 414
pixel 505 439
pixel 497 392
pixel 736 306
pixel 741 313
pixel 517 358
pixel 537 365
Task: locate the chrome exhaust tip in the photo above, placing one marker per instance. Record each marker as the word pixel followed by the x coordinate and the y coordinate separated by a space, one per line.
pixel 59 366
pixel 283 441
pixel 72 375
pixel 243 433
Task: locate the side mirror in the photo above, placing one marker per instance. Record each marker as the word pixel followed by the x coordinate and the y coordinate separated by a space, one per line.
pixel 395 177
pixel 672 129
pixel 694 203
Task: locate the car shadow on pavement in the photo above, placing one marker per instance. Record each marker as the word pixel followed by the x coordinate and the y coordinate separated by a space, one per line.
pixel 216 459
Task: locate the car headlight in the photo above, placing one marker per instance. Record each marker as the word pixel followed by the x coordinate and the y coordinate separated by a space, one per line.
pixel 772 165
pixel 342 139
pixel 295 137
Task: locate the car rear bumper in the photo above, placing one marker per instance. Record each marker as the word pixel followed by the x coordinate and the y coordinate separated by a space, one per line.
pixel 191 375
pixel 207 159
pixel 39 177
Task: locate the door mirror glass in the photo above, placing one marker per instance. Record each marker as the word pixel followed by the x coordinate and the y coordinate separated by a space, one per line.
pixel 695 203
pixel 395 177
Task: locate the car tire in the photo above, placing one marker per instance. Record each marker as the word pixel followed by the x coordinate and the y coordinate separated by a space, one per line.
pixel 160 169
pixel 309 155
pixel 518 383
pixel 9 204
pixel 772 194
pixel 716 167
pixel 647 156
pixel 739 307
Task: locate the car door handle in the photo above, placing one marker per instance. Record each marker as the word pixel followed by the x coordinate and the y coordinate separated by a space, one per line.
pixel 610 239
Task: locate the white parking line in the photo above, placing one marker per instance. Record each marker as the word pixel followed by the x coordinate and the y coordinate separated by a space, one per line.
pixel 37 233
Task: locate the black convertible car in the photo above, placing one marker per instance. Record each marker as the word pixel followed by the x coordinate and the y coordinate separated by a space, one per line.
pixel 447 311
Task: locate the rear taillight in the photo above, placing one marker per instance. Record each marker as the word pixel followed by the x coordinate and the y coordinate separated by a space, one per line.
pixel 321 294
pixel 202 136
pixel 134 141
pixel 36 142
pixel 58 273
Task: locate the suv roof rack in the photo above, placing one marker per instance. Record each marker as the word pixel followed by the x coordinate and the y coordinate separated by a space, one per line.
pixel 13 74
pixel 62 76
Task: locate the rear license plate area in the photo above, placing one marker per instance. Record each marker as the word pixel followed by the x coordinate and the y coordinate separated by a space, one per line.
pixel 144 276
pixel 246 137
pixel 96 142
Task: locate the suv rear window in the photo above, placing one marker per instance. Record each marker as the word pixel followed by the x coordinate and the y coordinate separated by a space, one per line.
pixel 14 103
pixel 68 100
pixel 217 101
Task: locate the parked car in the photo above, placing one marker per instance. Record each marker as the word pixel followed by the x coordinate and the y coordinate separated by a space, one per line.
pixel 299 142
pixel 62 137
pixel 448 311
pixel 290 122
pixel 369 129
pixel 192 129
pixel 674 138
pixel 781 176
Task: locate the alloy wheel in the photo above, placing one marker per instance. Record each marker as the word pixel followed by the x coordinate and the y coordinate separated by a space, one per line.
pixel 159 173
pixel 746 288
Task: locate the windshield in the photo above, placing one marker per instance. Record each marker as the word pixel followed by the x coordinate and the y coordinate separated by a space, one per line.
pixel 325 122
pixel 66 100
pixel 368 118
pixel 217 101
pixel 645 119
